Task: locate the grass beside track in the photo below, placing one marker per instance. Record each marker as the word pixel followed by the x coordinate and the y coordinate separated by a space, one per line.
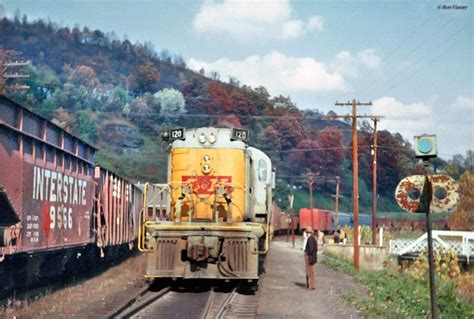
pixel 394 294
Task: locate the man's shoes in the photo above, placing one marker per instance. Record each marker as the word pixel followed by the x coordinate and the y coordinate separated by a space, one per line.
pixel 310 288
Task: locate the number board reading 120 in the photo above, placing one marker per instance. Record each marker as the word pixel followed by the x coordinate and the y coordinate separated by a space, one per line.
pixel 240 134
pixel 177 134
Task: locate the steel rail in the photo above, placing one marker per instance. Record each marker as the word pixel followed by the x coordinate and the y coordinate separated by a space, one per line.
pixel 227 302
pixel 141 300
pixel 209 303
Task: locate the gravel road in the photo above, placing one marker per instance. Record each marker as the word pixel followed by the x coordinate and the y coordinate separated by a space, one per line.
pixel 283 293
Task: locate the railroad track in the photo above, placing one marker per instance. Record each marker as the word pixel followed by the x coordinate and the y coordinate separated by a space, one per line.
pixel 177 302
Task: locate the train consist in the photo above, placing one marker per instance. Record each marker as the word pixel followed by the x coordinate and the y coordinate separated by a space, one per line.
pixel 58 210
pixel 218 216
pixel 324 220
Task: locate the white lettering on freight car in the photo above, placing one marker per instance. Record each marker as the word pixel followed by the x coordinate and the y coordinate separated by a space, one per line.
pixel 60 190
pixel 60 218
pixel 54 187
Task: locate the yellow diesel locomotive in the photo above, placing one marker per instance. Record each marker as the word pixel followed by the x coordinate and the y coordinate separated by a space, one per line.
pixel 218 210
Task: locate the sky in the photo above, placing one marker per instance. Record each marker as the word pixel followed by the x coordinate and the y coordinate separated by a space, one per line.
pixel 412 59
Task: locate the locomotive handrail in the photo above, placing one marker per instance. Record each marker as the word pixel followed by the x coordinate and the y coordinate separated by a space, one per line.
pixel 151 224
pixel 174 184
pixel 141 229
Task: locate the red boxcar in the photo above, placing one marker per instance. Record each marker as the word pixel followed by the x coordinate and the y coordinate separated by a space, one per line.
pixel 321 219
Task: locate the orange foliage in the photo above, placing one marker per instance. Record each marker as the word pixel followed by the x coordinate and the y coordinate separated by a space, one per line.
pixel 221 99
pixel 463 218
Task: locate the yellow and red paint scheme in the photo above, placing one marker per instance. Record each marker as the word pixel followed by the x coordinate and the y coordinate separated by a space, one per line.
pixel 218 209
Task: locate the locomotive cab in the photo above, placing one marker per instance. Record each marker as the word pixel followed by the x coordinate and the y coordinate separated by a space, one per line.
pixel 218 209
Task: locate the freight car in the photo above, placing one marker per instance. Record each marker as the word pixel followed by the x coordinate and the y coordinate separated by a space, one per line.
pixel 56 206
pixel 317 219
pixel 324 220
pixel 219 207
pixel 281 221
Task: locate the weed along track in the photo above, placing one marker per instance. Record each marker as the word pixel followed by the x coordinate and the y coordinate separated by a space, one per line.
pixel 191 300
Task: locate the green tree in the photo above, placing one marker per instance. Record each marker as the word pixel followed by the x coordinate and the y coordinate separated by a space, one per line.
pixel 86 127
pixel 171 103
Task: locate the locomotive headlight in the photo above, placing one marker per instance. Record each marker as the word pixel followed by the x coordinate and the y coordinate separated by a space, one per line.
pixel 202 138
pixel 206 168
pixel 211 138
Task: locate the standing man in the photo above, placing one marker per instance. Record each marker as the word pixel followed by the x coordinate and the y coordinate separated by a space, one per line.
pixel 310 256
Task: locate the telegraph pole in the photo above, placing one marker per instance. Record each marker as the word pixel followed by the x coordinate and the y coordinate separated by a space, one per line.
pixel 291 199
pixel 355 174
pixel 336 208
pixel 4 76
pixel 374 184
pixel 310 185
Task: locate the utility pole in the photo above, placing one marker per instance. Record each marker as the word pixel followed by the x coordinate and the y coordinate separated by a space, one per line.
pixel 310 185
pixel 374 184
pixel 4 76
pixel 291 198
pixel 355 175
pixel 336 208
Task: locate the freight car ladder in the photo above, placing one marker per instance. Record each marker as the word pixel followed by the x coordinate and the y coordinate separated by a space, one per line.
pixel 9 225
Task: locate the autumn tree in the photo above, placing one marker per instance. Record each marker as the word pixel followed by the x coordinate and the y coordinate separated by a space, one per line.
pixel 146 77
pixel 463 218
pixel 229 121
pixel 455 166
pixel 82 75
pixel 290 131
pixel 305 157
pixel 284 105
pixel 221 100
pixel 268 140
pixel 331 152
pixel 259 98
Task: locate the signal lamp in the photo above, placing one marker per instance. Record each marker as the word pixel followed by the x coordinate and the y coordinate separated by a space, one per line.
pixel 425 146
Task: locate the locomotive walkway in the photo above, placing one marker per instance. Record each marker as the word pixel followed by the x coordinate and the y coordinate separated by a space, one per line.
pixel 283 293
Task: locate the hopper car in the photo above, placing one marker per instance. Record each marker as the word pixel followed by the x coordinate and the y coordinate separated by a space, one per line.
pixel 58 210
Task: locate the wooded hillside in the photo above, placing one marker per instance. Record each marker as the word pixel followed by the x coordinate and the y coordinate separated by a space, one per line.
pixel 120 96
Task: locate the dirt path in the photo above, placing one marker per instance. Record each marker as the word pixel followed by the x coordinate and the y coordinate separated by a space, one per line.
pixel 283 293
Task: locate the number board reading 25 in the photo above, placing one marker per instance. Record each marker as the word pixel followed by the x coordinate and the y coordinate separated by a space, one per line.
pixel 177 134
pixel 240 134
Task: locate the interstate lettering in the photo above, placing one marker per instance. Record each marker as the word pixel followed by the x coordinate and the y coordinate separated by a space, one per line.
pixel 51 186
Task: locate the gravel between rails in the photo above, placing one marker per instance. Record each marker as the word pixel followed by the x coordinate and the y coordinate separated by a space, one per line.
pixel 283 293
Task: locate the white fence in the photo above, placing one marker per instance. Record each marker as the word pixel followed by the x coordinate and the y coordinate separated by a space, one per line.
pixel 462 242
